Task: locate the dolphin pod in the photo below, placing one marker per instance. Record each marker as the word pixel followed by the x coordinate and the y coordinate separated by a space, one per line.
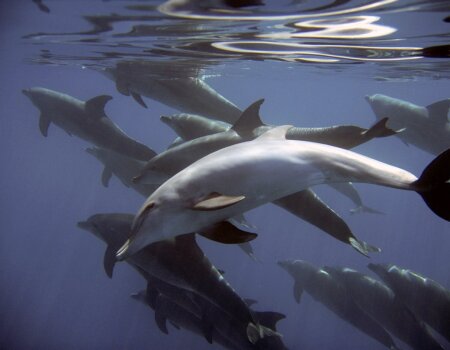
pixel 427 128
pixel 226 162
pixel 240 177
pixel 180 263
pixel 87 120
pixel 428 299
pixel 357 298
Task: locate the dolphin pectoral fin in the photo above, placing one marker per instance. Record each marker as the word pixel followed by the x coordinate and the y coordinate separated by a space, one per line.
pixel 138 99
pixel 106 176
pixel 44 123
pixel 278 133
pixel 160 320
pixel 224 232
pixel 122 87
pixel 249 120
pixel 216 201
pixel 366 209
pixel 109 261
pixel 434 185
pixel 248 249
pixel 95 107
pixel 177 327
pixel 207 327
pixel 269 319
pixel 438 111
pixel 298 291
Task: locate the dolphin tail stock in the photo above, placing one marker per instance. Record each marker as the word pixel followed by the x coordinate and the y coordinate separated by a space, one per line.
pixel 434 185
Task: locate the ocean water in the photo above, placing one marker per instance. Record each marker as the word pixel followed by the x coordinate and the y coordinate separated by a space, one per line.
pixel 312 62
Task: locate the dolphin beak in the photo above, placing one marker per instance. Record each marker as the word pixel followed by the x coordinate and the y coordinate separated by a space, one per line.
pixel 166 119
pixel 368 98
pixel 85 225
pixel 26 92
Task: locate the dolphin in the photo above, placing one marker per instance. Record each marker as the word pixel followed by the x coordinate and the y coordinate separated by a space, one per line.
pixel 241 177
pixel 427 128
pixel 184 93
pixel 123 167
pixel 225 333
pixel 428 299
pixel 379 301
pixel 87 120
pixel 325 289
pixel 179 262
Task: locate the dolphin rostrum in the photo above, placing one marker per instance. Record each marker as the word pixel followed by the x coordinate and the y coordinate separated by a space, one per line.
pixel 87 120
pixel 427 128
pixel 241 177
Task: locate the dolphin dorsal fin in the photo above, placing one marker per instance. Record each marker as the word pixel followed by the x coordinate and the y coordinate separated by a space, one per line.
pixel 249 120
pixel 277 133
pixel 95 107
pixel 438 111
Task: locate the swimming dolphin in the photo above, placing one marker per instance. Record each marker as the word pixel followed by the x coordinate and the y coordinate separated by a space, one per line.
pixel 325 289
pixel 379 301
pixel 241 177
pixel 87 120
pixel 428 299
pixel 123 167
pixel 185 93
pixel 178 261
pixel 427 128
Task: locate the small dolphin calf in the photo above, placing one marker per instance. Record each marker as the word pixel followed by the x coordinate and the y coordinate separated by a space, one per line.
pixel 428 299
pixel 427 128
pixel 87 120
pixel 241 177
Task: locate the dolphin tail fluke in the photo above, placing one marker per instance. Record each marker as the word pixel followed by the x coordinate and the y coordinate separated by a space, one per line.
pixel 434 185
pixel 379 129
pixel 363 247
pixel 366 209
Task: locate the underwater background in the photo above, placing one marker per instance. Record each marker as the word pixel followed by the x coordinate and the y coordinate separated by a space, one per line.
pixel 54 293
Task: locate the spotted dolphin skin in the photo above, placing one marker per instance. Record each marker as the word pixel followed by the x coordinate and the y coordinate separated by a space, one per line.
pixel 427 128
pixel 87 120
pixel 241 177
pixel 428 299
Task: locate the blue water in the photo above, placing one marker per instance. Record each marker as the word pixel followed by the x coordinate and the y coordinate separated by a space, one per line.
pixel 54 293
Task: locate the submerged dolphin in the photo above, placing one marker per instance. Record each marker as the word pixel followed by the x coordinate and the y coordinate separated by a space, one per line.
pixel 325 289
pixel 427 128
pixel 187 94
pixel 241 177
pixel 428 299
pixel 87 120
pixel 379 301
pixel 178 261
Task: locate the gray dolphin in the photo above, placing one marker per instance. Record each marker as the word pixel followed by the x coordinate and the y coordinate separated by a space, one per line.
pixel 123 167
pixel 379 301
pixel 241 177
pixel 427 128
pixel 179 262
pixel 87 120
pixel 428 299
pixel 325 289
pixel 187 94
